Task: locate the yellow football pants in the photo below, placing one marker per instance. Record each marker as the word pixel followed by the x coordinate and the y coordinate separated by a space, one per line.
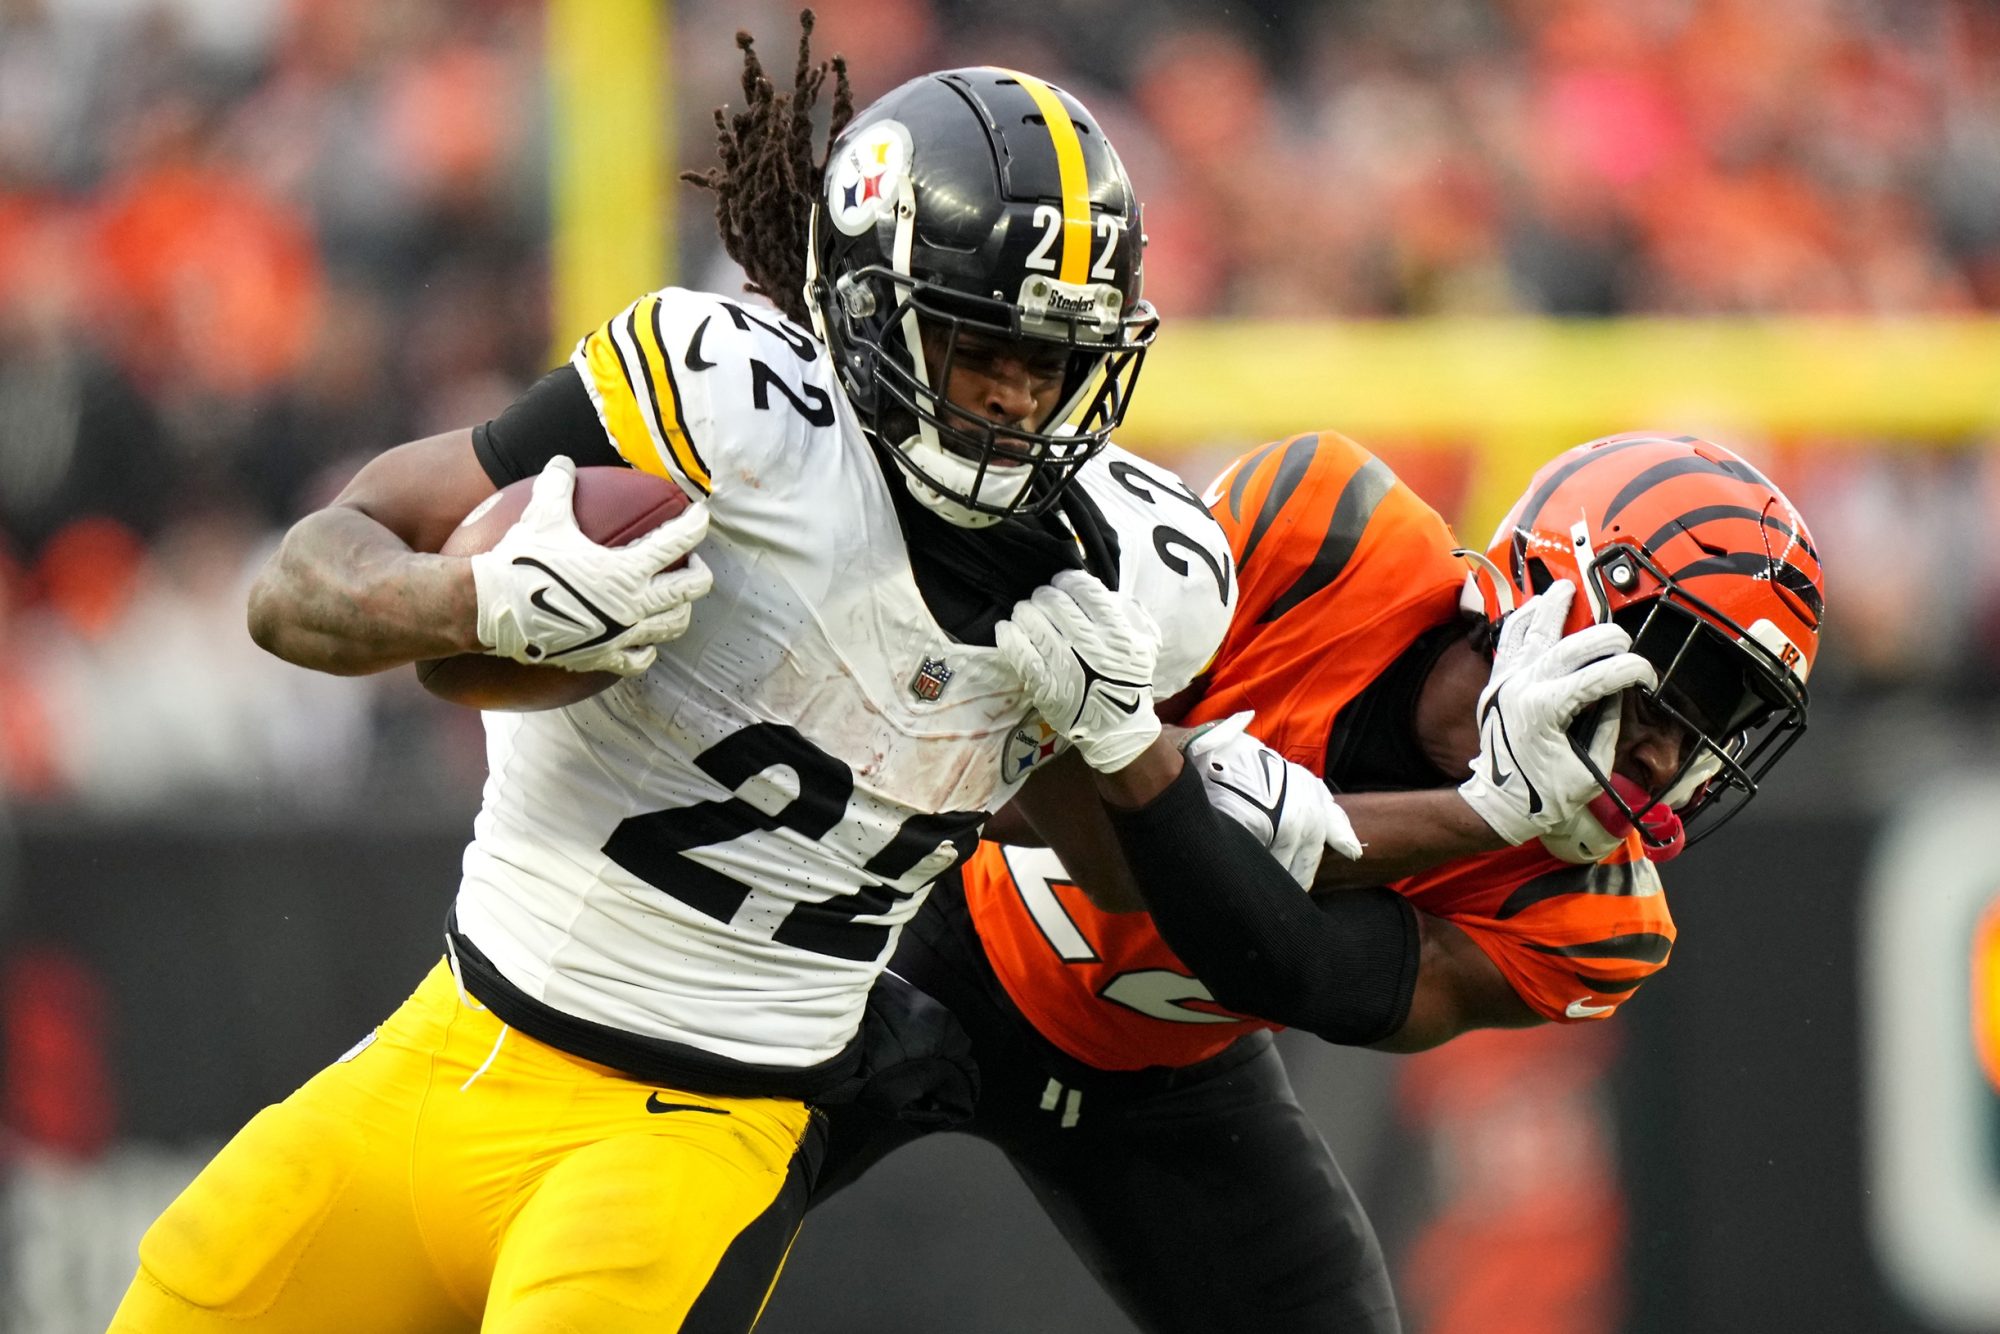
pixel 453 1174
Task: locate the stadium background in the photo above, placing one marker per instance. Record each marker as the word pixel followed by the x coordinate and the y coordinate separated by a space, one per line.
pixel 244 243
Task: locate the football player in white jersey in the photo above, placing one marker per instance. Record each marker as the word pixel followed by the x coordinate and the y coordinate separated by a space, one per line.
pixel 597 1112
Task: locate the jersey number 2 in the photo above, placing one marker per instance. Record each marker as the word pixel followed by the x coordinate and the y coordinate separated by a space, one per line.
pixel 1158 993
pixel 654 846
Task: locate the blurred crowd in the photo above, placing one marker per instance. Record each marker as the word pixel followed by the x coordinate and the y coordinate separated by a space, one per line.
pixel 246 243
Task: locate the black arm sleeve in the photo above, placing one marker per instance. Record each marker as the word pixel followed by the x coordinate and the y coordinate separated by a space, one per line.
pixel 1342 965
pixel 553 417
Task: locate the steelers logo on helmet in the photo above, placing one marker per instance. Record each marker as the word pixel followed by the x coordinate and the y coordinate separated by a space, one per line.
pixel 868 177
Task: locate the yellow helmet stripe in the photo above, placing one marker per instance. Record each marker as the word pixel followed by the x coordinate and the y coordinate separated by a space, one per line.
pixel 1070 170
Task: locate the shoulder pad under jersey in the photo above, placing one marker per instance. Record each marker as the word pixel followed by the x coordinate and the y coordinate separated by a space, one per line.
pixel 698 388
pixel 1172 557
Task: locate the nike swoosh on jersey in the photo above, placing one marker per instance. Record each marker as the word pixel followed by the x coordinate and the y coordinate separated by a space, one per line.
pixel 1578 1010
pixel 655 1104
pixel 693 359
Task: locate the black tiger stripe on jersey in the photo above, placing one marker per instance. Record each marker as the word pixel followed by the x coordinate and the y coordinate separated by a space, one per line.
pixel 1292 470
pixel 1358 500
pixel 1610 986
pixel 1639 946
pixel 1616 879
pixel 1240 483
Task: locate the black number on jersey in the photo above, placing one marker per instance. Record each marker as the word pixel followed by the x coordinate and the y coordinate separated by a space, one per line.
pixel 1166 540
pixel 654 846
pixel 803 347
pixel 1149 488
pixel 815 407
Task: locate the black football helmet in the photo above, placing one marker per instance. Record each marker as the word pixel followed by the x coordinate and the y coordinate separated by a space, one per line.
pixel 979 200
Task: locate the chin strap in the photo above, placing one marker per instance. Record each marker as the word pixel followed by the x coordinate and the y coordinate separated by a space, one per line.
pixel 924 452
pixel 1473 599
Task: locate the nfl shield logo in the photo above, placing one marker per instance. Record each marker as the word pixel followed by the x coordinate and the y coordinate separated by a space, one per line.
pixel 930 680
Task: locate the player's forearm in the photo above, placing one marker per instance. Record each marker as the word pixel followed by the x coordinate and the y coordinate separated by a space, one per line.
pixel 343 594
pixel 1339 965
pixel 1059 806
pixel 1402 833
pixel 1146 777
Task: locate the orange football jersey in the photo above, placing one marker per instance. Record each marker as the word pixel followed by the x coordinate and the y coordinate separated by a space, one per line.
pixel 1341 568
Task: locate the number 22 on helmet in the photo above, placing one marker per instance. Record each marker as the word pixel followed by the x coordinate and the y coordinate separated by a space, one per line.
pixel 1712 571
pixel 987 205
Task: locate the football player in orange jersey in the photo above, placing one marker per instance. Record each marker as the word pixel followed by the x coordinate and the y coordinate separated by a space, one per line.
pixel 1126 1060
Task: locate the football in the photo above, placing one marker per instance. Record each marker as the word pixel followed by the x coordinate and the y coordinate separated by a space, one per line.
pixel 613 506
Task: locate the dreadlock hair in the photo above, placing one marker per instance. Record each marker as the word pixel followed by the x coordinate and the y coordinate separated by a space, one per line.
pixel 768 181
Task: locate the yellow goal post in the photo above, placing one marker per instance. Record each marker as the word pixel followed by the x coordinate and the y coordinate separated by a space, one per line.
pixel 1507 393
pixel 1519 390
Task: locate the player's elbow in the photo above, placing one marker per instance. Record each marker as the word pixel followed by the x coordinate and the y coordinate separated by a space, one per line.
pixel 263 614
pixel 275 617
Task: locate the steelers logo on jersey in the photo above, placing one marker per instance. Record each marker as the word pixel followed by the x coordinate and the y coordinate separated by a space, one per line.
pixel 1031 743
pixel 871 174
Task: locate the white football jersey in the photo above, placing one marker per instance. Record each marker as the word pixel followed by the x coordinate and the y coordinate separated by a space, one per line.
pixel 719 853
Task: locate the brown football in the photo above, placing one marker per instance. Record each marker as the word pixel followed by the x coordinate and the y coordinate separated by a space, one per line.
pixel 613 506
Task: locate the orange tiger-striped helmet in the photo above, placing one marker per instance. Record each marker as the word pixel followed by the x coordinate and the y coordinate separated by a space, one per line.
pixel 1713 572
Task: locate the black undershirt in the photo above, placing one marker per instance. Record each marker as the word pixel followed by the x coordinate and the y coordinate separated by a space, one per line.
pixel 553 417
pixel 1373 746
pixel 971 578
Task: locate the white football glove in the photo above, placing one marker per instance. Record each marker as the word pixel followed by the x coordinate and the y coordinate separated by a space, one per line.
pixel 1526 780
pixel 548 595
pixel 1285 805
pixel 1085 657
pixel 1584 838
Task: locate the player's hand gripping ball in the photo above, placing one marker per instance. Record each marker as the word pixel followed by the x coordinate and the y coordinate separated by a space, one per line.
pixel 580 574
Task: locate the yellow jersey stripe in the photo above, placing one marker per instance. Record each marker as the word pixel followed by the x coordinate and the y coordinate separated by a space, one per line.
pixel 666 397
pixel 1070 170
pixel 615 395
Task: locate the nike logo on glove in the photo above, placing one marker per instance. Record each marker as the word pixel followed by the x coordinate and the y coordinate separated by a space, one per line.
pixel 540 597
pixel 611 629
pixel 654 1104
pixel 1094 678
pixel 1578 1010
pixel 1500 779
pixel 1272 811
